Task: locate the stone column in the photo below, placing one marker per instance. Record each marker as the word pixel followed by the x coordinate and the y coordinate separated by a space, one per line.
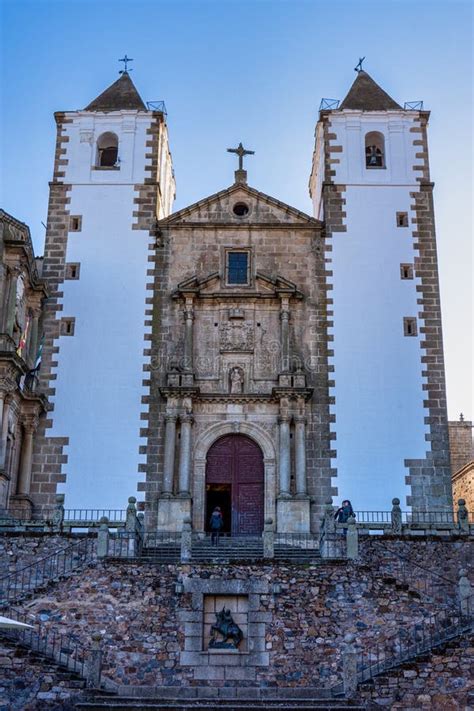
pixel 396 517
pixel 300 455
pixel 33 340
pixel 4 432
pixel 24 476
pixel 349 666
pixel 352 539
pixel 463 516
pixel 284 422
pixel 103 538
pixel 285 335
pixel 188 335
pixel 2 406
pixel 170 443
pixel 268 539
pixel 465 594
pixel 10 320
pixel 185 454
pixel 94 668
pixel 186 540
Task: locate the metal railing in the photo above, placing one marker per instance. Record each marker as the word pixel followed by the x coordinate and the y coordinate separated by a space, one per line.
pixel 69 518
pixel 306 541
pixel 412 518
pixel 24 582
pixel 91 517
pixel 421 638
pixel 124 544
pixel 418 578
pixel 64 649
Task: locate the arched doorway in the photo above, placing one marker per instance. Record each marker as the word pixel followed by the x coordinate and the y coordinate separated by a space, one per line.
pixel 235 482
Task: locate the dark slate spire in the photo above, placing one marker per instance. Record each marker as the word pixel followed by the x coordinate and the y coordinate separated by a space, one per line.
pixel 122 94
pixel 367 95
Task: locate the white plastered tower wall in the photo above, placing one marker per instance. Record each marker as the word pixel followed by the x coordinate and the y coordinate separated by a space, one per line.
pixel 99 393
pixel 388 443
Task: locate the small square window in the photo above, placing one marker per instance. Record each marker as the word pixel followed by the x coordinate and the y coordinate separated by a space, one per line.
pixel 402 219
pixel 75 223
pixel 67 326
pixel 409 326
pixel 406 271
pixel 237 268
pixel 72 270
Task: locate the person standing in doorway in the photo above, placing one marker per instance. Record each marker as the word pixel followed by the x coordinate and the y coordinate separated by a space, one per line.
pixel 216 523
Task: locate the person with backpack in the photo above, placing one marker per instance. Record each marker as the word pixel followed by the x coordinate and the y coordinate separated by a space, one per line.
pixel 216 524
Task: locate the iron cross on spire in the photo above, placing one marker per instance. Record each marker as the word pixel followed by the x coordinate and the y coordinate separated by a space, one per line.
pixel 125 61
pixel 359 66
pixel 241 152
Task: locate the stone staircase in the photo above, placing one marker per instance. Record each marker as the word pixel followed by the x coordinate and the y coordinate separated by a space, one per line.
pixel 246 549
pixel 230 699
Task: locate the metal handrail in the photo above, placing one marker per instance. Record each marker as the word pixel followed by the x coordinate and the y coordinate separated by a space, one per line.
pixel 26 580
pixel 422 637
pixel 64 649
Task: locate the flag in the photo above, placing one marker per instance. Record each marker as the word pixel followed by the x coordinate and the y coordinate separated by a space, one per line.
pixel 23 339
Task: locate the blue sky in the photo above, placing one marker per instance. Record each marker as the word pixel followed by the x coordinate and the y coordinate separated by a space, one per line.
pixel 254 72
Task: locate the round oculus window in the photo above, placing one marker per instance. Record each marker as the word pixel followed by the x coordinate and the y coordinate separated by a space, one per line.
pixel 240 209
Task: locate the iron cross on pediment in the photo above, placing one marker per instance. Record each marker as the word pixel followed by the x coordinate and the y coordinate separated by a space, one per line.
pixel 241 152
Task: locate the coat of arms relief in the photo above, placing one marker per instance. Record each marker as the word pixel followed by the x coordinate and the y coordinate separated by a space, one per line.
pixel 237 336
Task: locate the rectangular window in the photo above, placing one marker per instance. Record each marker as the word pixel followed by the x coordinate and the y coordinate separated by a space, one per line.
pixel 72 270
pixel 67 326
pixel 237 268
pixel 409 326
pixel 406 271
pixel 402 219
pixel 75 223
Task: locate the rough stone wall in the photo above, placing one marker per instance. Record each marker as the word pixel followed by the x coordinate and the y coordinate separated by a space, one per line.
pixel 441 681
pixel 461 444
pixel 48 452
pixel 463 486
pixel 29 683
pixel 19 551
pixel 136 608
pixel 445 558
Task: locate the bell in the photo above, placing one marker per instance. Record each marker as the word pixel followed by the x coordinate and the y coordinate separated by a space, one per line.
pixel 373 158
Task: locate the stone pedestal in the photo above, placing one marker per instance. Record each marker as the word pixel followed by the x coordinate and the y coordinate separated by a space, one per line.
pixel 21 506
pixel 172 510
pixel 293 515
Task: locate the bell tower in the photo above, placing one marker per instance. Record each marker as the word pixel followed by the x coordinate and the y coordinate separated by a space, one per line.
pixel 371 185
pixel 113 179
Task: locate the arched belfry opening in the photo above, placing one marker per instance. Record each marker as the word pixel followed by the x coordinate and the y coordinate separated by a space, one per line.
pixel 235 482
pixel 107 150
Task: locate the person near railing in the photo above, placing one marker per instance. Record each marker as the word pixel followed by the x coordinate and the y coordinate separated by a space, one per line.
pixel 216 524
pixel 343 513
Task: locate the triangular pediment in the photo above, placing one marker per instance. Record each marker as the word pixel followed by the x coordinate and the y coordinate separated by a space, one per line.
pixel 211 287
pixel 220 209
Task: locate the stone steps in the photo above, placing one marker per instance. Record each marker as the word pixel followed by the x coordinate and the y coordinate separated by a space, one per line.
pixel 235 702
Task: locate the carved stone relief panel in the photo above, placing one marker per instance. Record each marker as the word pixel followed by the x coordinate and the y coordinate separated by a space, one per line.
pixel 237 336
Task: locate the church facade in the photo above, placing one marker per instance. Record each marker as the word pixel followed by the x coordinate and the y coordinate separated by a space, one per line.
pixel 252 357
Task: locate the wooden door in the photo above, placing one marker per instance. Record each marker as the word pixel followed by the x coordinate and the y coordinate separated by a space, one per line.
pixel 237 460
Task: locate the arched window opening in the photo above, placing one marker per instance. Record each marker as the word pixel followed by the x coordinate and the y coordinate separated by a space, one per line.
pixel 374 150
pixel 107 150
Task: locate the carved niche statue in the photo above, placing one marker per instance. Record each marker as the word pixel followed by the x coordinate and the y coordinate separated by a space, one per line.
pixel 236 381
pixel 230 633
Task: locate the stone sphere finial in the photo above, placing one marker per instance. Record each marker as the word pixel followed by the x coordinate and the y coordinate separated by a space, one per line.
pixel 395 502
pixel 104 519
pixel 461 502
pixel 132 500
